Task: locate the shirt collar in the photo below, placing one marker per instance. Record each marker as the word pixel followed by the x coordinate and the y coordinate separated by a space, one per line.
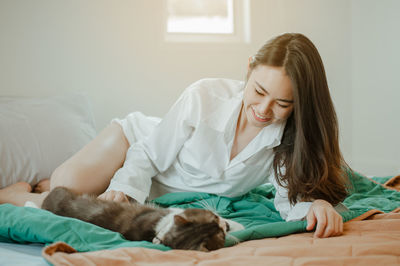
pixel 272 135
pixel 269 137
pixel 224 120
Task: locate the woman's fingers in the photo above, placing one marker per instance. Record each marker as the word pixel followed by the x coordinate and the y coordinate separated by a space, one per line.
pixel 334 224
pixel 340 225
pixel 336 232
pixel 321 224
pixel 338 222
pixel 102 196
pixel 329 221
pixel 311 221
pixel 113 195
pixel 120 197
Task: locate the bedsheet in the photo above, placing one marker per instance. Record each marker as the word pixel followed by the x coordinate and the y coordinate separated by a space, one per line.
pixel 368 242
pixel 255 211
pixel 14 254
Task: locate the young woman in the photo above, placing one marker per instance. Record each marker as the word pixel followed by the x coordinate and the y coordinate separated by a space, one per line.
pixel 226 137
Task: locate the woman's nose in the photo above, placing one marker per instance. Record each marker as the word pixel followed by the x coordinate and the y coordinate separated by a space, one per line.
pixel 265 107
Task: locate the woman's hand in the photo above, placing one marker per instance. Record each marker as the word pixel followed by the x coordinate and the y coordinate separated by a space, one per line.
pixel 329 221
pixel 113 195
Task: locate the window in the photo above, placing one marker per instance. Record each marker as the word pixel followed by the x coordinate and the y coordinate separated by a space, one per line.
pixel 200 16
pixel 206 20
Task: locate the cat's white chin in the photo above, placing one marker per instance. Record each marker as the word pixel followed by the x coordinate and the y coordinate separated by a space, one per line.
pixel 165 224
pixel 233 226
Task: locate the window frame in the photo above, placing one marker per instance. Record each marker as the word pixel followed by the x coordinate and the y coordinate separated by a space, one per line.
pixel 241 32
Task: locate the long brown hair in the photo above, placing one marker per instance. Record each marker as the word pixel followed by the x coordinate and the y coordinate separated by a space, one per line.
pixel 308 162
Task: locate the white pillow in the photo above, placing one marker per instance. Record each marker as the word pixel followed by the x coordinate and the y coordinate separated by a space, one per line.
pixel 38 134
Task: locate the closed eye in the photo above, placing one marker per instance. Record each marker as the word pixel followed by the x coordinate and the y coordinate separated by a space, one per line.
pixel 262 94
pixel 258 92
pixel 283 106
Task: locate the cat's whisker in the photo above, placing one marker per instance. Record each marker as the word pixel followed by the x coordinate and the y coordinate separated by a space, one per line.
pixel 207 206
pixel 214 207
pixel 201 203
pixel 191 228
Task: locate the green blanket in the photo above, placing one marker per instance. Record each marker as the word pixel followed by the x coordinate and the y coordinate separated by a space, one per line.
pixel 254 210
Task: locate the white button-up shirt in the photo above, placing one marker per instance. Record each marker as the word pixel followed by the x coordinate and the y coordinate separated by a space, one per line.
pixel 189 149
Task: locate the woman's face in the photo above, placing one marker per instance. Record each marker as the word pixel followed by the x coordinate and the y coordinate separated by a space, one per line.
pixel 268 96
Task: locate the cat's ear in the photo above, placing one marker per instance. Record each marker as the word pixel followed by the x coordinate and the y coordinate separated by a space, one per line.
pixel 180 219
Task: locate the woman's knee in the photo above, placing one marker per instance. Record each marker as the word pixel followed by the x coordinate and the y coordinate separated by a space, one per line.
pixel 91 169
pixel 62 176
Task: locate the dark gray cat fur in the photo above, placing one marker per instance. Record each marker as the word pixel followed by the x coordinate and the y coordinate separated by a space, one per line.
pixel 195 229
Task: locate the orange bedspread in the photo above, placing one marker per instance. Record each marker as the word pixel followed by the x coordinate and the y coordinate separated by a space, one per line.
pixel 375 241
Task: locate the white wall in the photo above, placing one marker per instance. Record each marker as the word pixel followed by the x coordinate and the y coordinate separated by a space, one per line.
pixel 114 51
pixel 327 24
pixel 376 86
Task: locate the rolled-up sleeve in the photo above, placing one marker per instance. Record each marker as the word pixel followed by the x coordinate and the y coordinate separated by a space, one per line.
pixel 155 153
pixel 288 211
pixel 297 212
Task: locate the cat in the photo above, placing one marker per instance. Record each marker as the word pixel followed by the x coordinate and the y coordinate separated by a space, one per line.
pixel 190 229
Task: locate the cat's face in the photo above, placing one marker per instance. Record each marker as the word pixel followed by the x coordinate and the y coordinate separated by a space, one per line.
pixel 197 229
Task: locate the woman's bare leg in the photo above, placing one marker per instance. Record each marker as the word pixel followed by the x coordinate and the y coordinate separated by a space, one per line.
pixel 88 171
pixel 91 169
pixel 41 186
pixel 19 193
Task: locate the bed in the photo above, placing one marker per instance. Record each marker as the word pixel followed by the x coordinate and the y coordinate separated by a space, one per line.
pixel 365 242
pixel 37 237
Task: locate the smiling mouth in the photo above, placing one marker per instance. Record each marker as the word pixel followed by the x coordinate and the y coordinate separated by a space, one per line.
pixel 259 118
